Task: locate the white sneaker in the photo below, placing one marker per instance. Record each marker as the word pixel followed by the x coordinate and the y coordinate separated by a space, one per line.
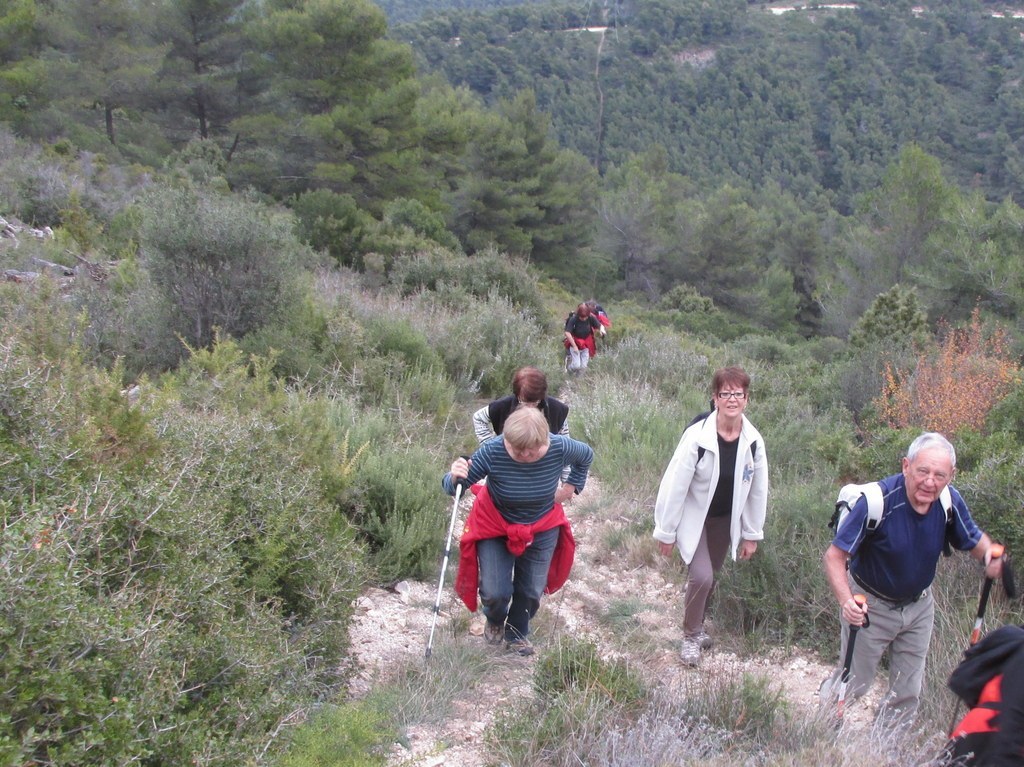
pixel 704 640
pixel 690 653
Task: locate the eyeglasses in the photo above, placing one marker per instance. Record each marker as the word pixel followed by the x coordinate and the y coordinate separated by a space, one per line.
pixel 731 394
pixel 922 473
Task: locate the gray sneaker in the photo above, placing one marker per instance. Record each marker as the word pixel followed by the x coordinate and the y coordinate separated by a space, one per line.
pixel 704 640
pixel 494 633
pixel 690 652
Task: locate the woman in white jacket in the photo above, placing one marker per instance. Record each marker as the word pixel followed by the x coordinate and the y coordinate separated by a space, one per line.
pixel 713 499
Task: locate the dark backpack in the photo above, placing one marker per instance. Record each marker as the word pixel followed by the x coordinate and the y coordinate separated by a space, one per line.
pixel 984 660
pixel 700 418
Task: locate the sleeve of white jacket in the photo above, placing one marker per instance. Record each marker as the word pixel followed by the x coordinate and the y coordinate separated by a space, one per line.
pixel 482 426
pixel 668 509
pixel 752 517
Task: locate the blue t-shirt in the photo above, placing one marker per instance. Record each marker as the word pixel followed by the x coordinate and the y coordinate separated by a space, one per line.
pixel 525 492
pixel 898 559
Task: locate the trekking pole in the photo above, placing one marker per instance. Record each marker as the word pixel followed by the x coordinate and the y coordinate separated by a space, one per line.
pixel 459 485
pixel 844 675
pixel 996 551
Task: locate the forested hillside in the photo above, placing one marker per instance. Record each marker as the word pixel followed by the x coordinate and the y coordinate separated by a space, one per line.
pixel 786 168
pixel 816 101
pixel 261 261
pixel 411 10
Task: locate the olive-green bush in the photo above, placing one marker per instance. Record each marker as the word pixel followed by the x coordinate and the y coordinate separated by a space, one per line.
pixel 174 582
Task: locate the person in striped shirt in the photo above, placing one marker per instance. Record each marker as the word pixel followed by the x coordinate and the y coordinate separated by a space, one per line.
pixel 517 543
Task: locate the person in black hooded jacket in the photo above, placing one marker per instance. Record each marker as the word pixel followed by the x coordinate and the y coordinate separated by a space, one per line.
pixel 990 680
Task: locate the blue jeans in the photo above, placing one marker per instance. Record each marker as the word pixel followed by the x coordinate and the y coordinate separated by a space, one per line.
pixel 510 587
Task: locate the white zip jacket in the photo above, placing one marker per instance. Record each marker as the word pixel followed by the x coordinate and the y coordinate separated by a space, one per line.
pixel 688 486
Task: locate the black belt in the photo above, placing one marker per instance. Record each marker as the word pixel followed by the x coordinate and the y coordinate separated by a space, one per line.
pixel 883 597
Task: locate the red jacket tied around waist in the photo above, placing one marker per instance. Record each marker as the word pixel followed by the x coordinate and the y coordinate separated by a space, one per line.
pixel 485 521
pixel 587 343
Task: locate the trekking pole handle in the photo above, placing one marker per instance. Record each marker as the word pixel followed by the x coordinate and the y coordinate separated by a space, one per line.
pixel 462 482
pixel 861 602
pixel 996 551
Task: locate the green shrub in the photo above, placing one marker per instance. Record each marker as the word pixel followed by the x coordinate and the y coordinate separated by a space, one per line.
pixel 632 429
pixel 423 693
pixel 485 342
pixel 580 697
pixel 399 508
pixel 334 223
pixel 349 735
pixel 220 262
pixel 173 581
pixel 991 483
pixel 484 274
pixel 298 340
pixel 397 336
pixel 572 666
pixel 788 561
pixel 403 213
pixel 748 706
pixel 676 372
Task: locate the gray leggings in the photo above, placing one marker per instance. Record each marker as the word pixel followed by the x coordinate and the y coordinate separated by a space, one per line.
pixel 700 575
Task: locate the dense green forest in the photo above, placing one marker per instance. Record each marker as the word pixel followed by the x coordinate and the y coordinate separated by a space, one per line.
pixel 411 10
pixel 815 101
pixel 262 259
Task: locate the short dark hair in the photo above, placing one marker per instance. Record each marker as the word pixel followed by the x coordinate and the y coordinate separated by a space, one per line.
pixel 730 376
pixel 529 385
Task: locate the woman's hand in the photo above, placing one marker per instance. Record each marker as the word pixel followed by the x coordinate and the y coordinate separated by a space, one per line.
pixel 565 493
pixel 747 549
pixel 665 549
pixel 460 469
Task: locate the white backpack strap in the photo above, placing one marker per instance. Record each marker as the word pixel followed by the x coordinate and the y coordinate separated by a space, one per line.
pixel 947 503
pixel 876 502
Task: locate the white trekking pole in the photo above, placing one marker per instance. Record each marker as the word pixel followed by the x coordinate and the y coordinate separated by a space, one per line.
pixel 459 485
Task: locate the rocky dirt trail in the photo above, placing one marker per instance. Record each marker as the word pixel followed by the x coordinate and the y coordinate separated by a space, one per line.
pixel 390 631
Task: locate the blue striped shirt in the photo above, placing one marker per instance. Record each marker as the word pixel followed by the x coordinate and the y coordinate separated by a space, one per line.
pixel 525 492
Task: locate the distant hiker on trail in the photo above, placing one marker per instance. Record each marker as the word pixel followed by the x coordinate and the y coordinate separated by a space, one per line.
pixel 990 680
pixel 602 316
pixel 579 338
pixel 894 566
pixel 517 543
pixel 713 499
pixel 529 389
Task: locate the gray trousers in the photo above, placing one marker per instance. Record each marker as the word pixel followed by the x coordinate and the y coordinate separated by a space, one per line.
pixel 906 631
pixel 578 359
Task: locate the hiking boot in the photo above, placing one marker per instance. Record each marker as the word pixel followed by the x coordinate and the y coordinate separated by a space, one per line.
pixel 704 640
pixel 520 646
pixel 690 652
pixel 494 633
